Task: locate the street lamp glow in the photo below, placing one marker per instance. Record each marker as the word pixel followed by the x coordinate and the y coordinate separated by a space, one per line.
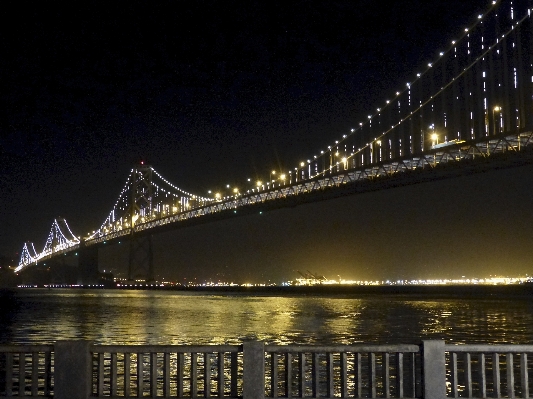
pixel 434 137
pixel 259 183
pixel 495 116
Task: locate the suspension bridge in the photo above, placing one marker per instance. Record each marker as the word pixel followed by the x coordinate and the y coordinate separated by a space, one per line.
pixel 469 110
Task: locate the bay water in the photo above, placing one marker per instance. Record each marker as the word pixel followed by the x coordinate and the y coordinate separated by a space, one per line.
pixel 43 316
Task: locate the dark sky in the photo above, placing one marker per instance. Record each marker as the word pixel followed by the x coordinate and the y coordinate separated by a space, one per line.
pixel 215 92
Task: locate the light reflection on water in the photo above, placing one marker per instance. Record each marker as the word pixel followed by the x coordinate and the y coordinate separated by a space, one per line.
pixel 164 317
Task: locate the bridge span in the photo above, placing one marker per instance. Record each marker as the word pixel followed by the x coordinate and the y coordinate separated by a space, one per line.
pixel 469 110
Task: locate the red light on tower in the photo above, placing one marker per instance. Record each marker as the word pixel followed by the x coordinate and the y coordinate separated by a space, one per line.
pixel 142 162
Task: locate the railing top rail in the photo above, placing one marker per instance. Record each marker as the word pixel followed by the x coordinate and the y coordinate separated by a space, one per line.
pixel 197 396
pixel 26 348
pixel 165 348
pixel 404 348
pixel 486 348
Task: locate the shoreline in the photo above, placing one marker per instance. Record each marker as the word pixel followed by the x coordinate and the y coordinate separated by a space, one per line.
pixel 437 291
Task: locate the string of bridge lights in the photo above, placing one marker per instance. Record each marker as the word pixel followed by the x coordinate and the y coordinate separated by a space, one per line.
pixel 55 231
pixel 430 65
pixel 61 236
pixel 76 239
pixel 454 45
pixel 179 189
pixel 26 257
pixel 107 221
pixel 123 199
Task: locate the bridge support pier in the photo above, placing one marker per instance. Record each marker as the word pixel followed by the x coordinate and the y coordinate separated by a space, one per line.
pixel 141 262
pixel 88 272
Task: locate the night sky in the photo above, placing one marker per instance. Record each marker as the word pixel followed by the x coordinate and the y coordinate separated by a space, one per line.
pixel 212 93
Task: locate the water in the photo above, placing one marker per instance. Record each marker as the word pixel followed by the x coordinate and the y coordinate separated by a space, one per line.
pixel 39 316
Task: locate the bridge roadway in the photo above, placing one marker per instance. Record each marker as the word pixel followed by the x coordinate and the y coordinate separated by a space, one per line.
pixel 457 159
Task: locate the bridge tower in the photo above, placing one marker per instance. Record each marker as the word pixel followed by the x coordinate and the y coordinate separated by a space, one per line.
pixel 141 266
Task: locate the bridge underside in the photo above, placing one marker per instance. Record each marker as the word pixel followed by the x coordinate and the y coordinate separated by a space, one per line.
pixel 79 266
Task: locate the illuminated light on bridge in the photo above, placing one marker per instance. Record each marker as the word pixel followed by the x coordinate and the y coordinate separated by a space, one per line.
pixel 60 239
pixel 476 98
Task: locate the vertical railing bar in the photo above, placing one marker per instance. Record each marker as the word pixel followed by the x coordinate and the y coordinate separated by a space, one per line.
pixel 510 375
pixel 399 375
pixel 140 375
pixel 274 374
pixel 9 374
pixel 194 375
pixel 288 375
pixel 234 373
pixel 113 383
pixel 331 377
pixel 207 375
pixel 483 375
pixel 301 373
pixel 153 374
pixel 166 374
pixel 344 375
pixel 100 368
pixel 468 374
pixel 22 374
pixel 415 391
pixel 47 373
pixel 220 371
pixel 180 363
pixel 316 375
pixel 386 373
pixel 455 384
pixel 372 371
pixel 127 374
pixel 35 373
pixel 496 375
pixel 524 378
pixel 358 382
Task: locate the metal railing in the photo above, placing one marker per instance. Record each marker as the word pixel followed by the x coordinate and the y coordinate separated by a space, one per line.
pixel 343 371
pixel 431 370
pixel 26 370
pixel 489 370
pixel 167 371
